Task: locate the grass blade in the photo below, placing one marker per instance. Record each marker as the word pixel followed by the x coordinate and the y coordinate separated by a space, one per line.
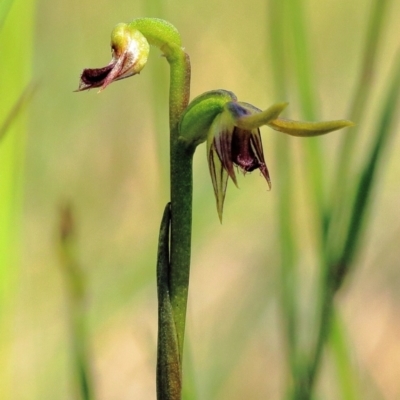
pixel 305 85
pixel 364 86
pixel 286 235
pixel 340 189
pixel 342 360
pixel 366 184
pixel 18 108
pixel 76 303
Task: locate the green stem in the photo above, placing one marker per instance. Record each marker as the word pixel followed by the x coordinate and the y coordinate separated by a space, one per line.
pixel 173 281
pixel 181 194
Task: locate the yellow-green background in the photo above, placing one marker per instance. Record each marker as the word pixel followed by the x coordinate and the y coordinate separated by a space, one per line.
pixel 104 155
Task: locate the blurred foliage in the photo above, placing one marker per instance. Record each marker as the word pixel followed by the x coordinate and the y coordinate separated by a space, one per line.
pixel 101 153
pixel 16 40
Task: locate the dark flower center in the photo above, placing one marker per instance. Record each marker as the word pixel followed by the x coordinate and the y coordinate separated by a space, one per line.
pixel 242 151
pixel 95 77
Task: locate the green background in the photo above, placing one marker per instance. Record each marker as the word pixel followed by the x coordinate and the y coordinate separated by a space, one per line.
pixel 107 155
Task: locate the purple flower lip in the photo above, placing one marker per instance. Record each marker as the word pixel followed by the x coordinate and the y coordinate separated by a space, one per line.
pixel 130 51
pixel 94 77
pixel 247 153
pixel 231 145
pixel 119 68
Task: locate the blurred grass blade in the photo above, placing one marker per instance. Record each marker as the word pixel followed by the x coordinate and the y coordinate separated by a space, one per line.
pixel 19 106
pixel 374 33
pixel 339 346
pixel 364 86
pixel 305 78
pixel 368 177
pixel 302 59
pixel 16 36
pixel 286 234
pixel 5 6
pixel 76 293
pixel 340 189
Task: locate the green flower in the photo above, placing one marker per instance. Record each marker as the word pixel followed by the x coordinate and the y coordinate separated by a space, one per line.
pixel 130 51
pixel 232 131
pixel 231 144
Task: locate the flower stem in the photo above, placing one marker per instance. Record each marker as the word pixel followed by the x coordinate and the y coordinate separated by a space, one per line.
pixel 181 194
pixel 173 269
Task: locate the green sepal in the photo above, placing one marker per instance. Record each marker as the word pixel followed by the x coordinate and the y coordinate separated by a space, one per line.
pixel 258 118
pixel 307 129
pixel 199 115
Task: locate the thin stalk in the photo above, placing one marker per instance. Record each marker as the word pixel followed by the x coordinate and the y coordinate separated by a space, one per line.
pixel 173 276
pixel 287 239
pixel 181 194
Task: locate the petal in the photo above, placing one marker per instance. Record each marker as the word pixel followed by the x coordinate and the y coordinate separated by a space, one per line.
pixel 117 72
pixel 256 118
pixel 221 132
pixel 219 178
pixel 94 77
pixel 256 145
pixel 307 129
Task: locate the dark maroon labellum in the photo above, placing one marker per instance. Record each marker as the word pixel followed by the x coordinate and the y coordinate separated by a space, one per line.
pixel 242 152
pixel 94 77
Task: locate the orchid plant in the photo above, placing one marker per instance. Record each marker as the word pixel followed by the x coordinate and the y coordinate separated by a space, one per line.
pixel 231 129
